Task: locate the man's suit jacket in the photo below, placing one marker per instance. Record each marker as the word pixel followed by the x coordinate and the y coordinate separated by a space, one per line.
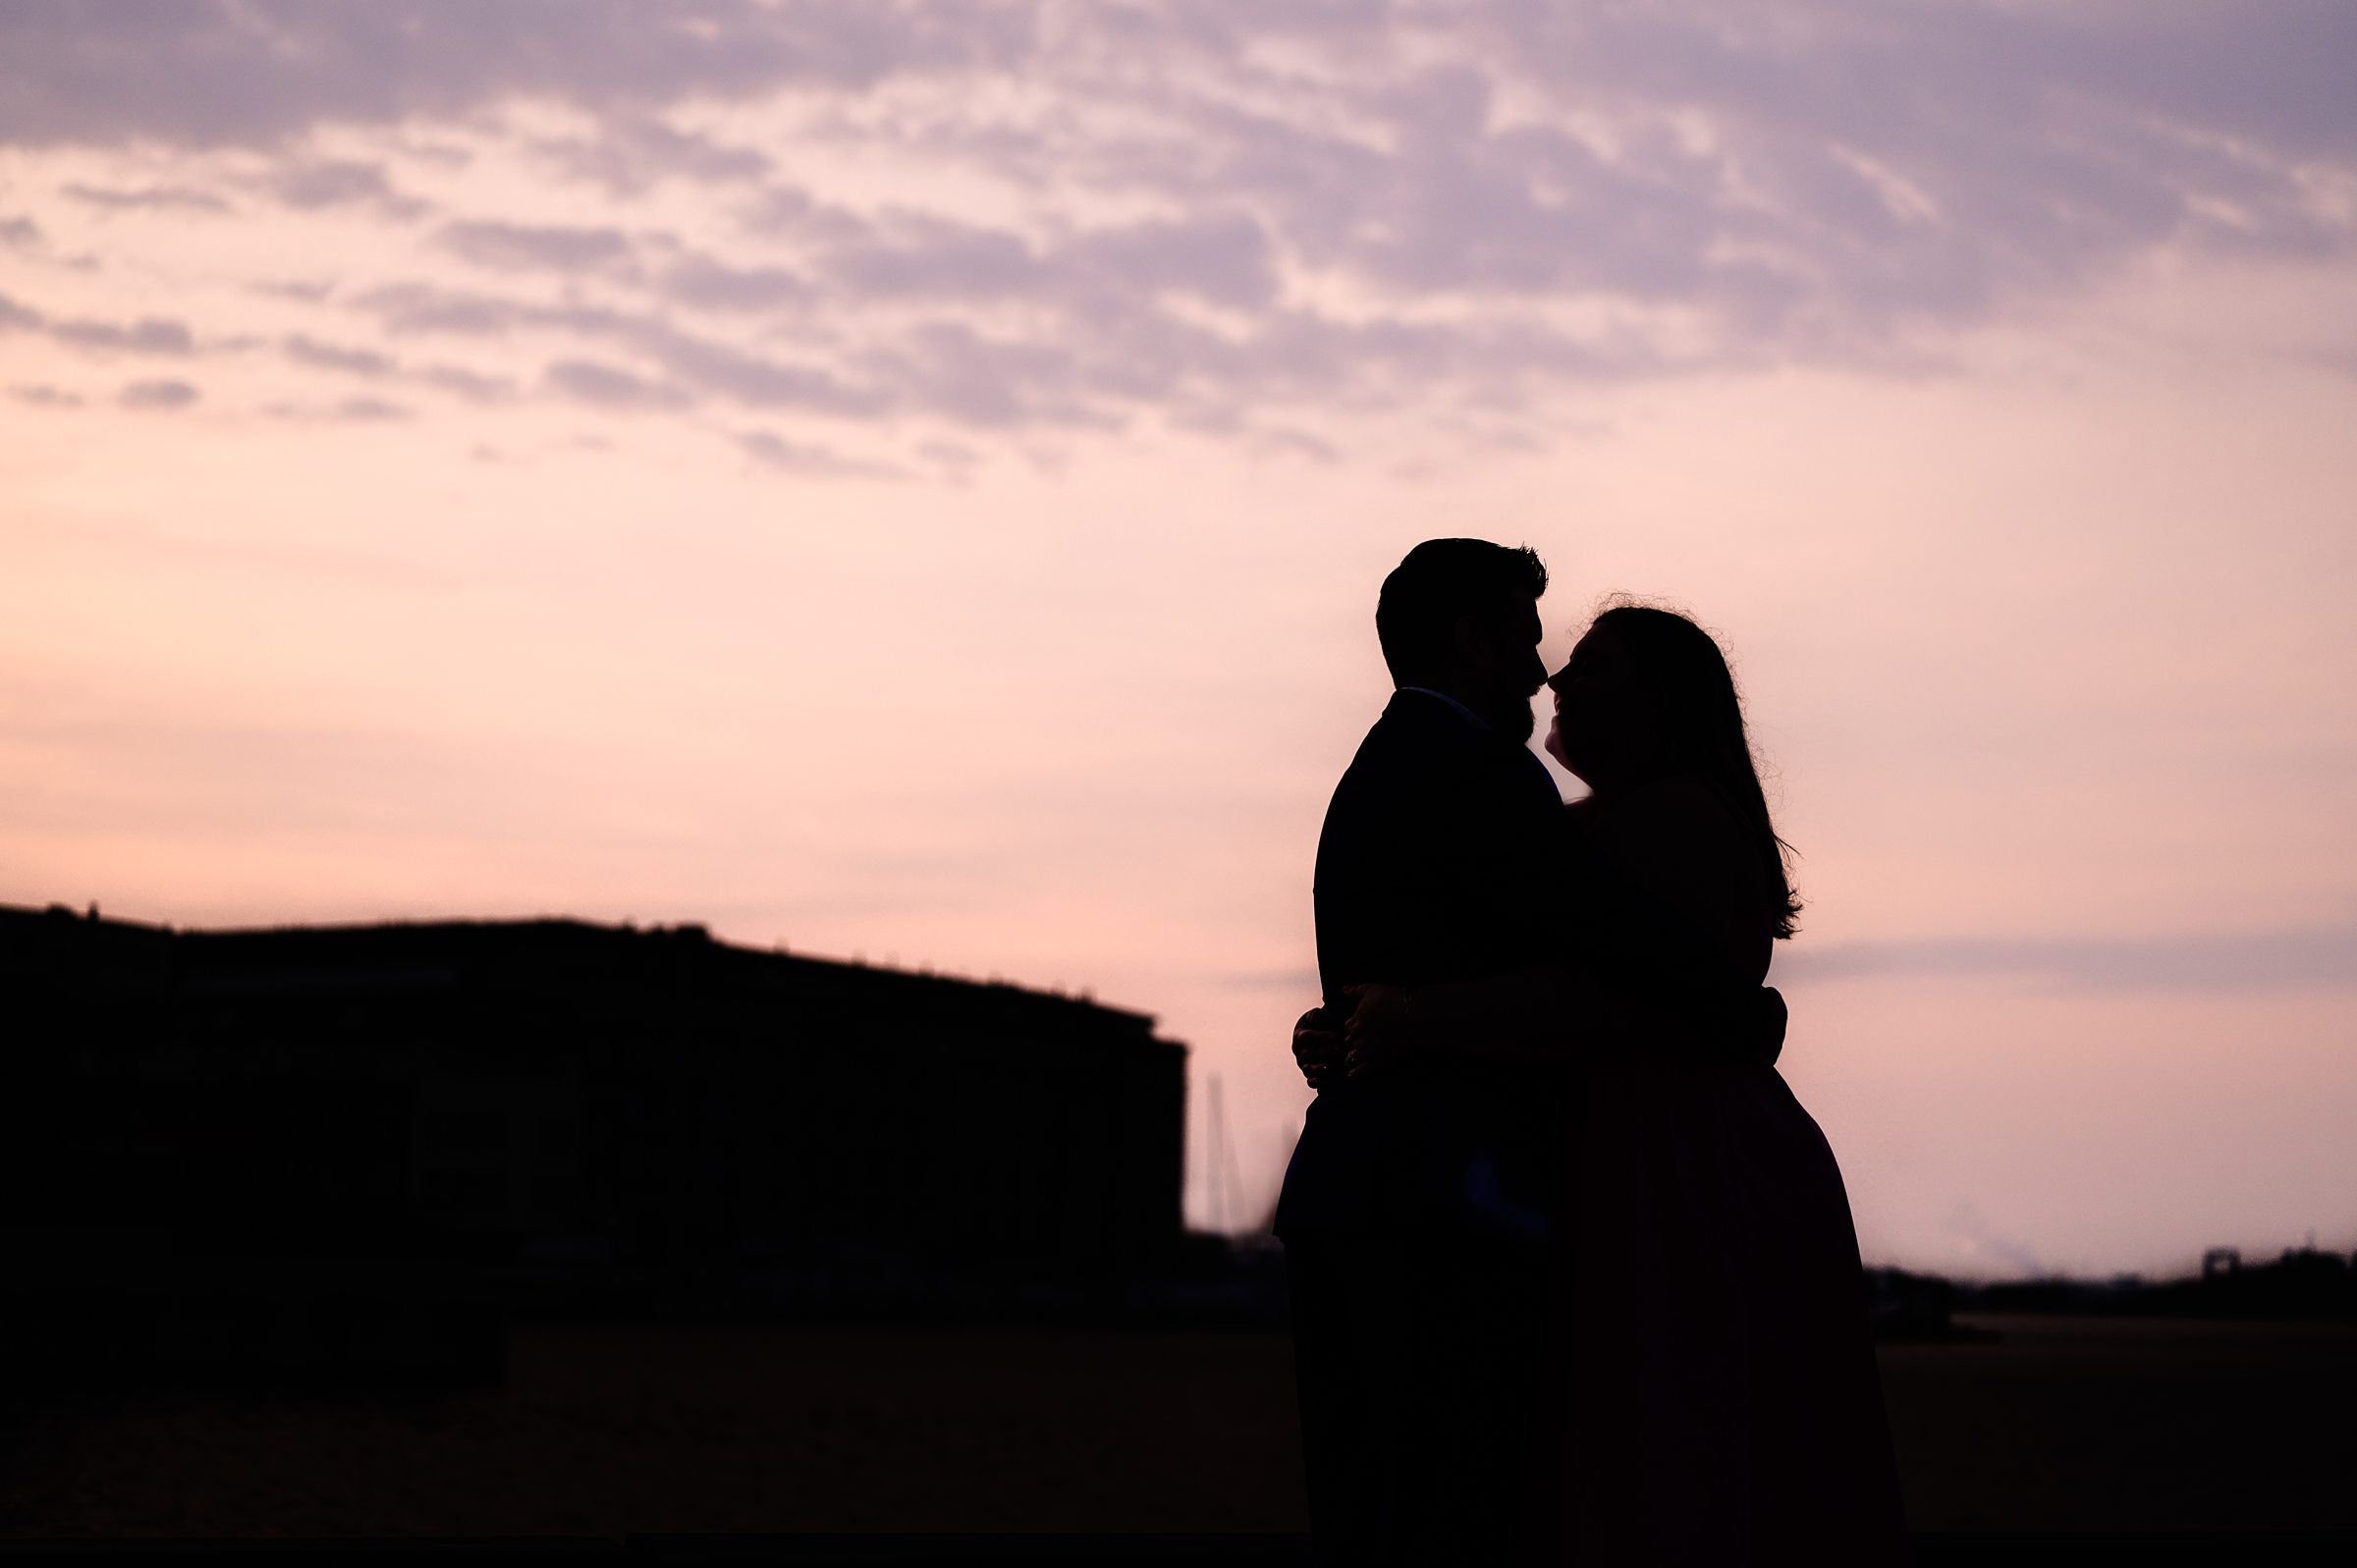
pixel 1439 860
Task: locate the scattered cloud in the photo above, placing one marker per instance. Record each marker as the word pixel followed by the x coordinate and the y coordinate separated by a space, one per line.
pixel 2294 957
pixel 408 307
pixel 157 395
pixel 308 350
pixel 754 379
pixel 156 335
pixel 629 155
pixel 46 396
pixel 167 198
pixel 25 238
pixel 772 450
pixel 1219 214
pixel 224 72
pixel 343 410
pixel 470 384
pixel 149 335
pixel 552 246
pixel 606 387
pixel 703 284
pixel 302 290
pixel 307 185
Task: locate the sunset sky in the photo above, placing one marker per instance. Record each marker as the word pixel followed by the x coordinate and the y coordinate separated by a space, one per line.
pixel 911 481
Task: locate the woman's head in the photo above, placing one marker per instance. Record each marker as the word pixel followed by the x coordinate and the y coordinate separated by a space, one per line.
pixel 1647 696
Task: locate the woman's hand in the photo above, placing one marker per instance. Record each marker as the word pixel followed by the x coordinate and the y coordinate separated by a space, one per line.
pixel 1380 1033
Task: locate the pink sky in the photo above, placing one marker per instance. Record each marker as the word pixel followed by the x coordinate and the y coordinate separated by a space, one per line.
pixel 911 481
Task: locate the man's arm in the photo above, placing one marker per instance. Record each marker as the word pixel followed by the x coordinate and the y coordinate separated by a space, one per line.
pixel 1318 1048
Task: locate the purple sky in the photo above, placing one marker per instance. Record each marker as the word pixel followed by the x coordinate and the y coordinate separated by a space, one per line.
pixel 911 480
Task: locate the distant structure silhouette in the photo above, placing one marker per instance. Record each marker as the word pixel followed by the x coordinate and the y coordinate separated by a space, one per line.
pixel 2303 1284
pixel 295 1135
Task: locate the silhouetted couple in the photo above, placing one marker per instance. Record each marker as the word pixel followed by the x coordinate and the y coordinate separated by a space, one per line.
pixel 1573 1275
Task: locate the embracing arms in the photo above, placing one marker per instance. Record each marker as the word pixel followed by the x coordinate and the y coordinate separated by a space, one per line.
pixel 1691 938
pixel 1543 1014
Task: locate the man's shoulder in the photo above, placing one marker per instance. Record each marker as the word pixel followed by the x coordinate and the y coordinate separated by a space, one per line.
pixel 1415 737
pixel 1423 773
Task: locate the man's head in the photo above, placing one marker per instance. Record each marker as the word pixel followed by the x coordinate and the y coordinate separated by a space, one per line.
pixel 1461 616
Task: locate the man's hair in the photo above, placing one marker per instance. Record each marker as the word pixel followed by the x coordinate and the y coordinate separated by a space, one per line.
pixel 1438 582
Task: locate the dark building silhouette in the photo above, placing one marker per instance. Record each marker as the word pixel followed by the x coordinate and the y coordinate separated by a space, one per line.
pixel 558 1112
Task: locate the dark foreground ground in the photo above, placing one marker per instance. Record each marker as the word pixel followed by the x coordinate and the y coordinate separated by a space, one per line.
pixel 606 1434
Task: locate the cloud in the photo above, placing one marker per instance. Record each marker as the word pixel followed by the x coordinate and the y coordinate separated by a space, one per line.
pixel 2291 958
pixel 553 247
pixel 308 350
pixel 407 308
pixel 25 238
pixel 606 387
pixel 704 283
pixel 46 396
pixel 1224 258
pixel 773 451
pixel 343 410
pixel 627 156
pixel 260 72
pixel 167 198
pixel 469 384
pixel 149 335
pixel 753 379
pixel 157 395
pixel 1231 215
pixel 349 359
pixel 303 290
pixel 309 185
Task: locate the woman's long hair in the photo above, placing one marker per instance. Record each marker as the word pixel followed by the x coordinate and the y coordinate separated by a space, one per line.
pixel 1692 696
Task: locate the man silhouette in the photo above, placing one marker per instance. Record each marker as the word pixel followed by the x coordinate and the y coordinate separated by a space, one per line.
pixel 1422 1214
pixel 1417 1206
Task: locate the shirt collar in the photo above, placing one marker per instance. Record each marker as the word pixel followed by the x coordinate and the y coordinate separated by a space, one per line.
pixel 1471 717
